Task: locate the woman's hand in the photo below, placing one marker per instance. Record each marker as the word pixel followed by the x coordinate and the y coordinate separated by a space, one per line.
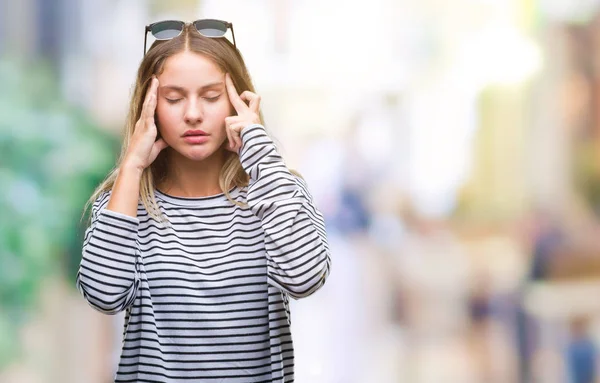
pixel 144 147
pixel 246 114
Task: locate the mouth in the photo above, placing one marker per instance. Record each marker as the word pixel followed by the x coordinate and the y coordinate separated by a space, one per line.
pixel 195 137
pixel 195 133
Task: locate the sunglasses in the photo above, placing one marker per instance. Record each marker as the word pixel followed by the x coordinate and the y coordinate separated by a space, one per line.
pixel 168 29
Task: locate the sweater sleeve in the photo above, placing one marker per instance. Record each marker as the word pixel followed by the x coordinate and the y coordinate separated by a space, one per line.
pixel 298 258
pixel 108 273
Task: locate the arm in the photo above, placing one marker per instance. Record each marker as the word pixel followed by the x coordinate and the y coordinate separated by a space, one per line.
pixel 108 273
pixel 298 260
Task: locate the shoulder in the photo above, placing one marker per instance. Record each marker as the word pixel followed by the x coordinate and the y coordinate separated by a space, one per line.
pixel 298 178
pixel 101 201
pixel 300 181
pixel 239 194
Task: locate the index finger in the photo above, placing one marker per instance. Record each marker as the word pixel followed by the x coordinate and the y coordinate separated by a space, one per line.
pixel 252 98
pixel 234 97
pixel 149 103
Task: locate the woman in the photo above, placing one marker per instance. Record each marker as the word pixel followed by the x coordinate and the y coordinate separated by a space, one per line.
pixel 201 233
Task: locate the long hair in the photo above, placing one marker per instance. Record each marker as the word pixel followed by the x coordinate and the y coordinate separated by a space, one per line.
pixel 222 52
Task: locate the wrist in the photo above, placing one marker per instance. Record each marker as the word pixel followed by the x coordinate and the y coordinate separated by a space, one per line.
pixel 131 168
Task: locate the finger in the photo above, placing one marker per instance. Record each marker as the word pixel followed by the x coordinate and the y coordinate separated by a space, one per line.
pixel 238 104
pixel 231 138
pixel 150 101
pixel 151 110
pixel 237 134
pixel 147 96
pixel 153 98
pixel 252 98
pixel 230 141
pixel 230 120
pixel 238 140
pixel 157 147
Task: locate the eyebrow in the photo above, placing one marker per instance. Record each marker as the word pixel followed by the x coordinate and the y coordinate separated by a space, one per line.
pixel 183 90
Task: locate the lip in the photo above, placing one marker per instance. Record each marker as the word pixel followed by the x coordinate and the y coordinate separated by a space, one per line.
pixel 195 132
pixel 195 139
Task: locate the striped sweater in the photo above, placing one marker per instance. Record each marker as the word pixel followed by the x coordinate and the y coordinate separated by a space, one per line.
pixel 206 296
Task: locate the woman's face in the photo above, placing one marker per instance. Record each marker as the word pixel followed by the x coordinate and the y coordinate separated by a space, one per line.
pixel 192 105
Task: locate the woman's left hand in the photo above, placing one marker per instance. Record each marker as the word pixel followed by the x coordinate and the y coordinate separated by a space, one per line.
pixel 247 114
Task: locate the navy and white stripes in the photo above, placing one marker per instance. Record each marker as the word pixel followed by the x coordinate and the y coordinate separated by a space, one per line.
pixel 206 297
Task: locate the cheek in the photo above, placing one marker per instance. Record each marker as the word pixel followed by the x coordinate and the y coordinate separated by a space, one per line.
pixel 221 109
pixel 218 112
pixel 166 116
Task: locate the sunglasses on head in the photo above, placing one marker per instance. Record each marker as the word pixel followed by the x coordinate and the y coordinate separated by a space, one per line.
pixel 168 29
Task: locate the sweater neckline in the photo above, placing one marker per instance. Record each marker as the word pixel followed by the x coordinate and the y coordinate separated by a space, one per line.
pixel 195 201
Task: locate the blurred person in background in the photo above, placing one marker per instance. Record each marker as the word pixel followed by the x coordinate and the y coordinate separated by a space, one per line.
pixel 546 236
pixel 582 355
pixel 201 233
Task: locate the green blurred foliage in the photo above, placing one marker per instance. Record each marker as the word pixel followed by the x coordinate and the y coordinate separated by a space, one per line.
pixel 51 158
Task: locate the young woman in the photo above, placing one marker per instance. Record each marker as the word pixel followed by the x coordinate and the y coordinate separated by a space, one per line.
pixel 201 233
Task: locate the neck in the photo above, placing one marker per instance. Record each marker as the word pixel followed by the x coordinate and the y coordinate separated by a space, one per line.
pixel 188 178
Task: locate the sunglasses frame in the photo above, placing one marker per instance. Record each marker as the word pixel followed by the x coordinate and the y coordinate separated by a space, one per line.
pixel 183 24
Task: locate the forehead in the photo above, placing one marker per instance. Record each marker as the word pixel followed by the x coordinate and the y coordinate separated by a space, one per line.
pixel 190 70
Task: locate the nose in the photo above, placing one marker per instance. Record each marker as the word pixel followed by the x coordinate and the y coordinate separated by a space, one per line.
pixel 193 113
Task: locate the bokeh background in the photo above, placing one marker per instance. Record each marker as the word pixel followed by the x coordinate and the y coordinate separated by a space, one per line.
pixel 452 145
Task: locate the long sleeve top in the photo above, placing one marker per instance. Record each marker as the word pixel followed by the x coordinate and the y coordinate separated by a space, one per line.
pixel 206 297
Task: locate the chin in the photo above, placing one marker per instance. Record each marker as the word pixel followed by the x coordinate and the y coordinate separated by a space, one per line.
pixel 199 152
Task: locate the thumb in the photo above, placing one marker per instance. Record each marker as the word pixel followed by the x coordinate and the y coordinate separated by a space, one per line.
pixel 157 147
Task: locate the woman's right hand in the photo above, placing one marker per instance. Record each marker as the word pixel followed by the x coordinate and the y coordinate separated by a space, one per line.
pixel 143 146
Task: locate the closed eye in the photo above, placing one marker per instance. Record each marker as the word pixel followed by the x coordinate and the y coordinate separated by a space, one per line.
pixel 212 99
pixel 172 101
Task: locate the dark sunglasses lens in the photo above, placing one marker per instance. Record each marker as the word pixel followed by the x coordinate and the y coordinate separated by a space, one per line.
pixel 211 28
pixel 165 30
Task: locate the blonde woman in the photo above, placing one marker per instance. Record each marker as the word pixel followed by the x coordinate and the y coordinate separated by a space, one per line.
pixel 201 233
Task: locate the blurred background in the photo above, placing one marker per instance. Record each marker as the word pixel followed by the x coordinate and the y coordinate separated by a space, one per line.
pixel 453 147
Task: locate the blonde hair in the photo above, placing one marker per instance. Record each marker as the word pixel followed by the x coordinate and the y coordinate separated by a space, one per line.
pixel 222 52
